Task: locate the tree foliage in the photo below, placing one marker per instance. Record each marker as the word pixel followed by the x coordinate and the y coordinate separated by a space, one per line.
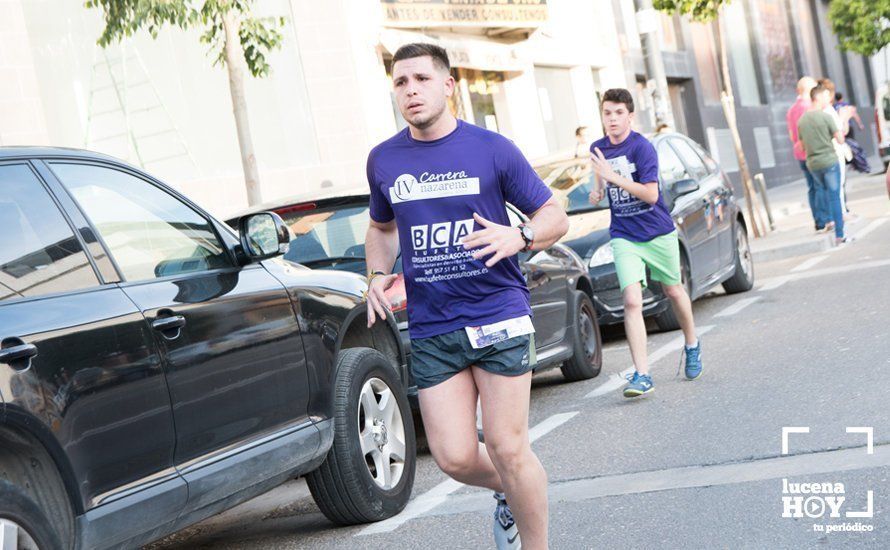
pixel 258 35
pixel 702 11
pixel 862 26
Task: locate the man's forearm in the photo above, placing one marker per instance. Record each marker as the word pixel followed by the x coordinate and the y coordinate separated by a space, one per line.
pixel 549 223
pixel 642 191
pixel 381 248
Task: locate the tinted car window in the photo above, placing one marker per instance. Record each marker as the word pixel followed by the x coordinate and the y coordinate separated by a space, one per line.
pixel 571 183
pixel 328 235
pixel 149 232
pixel 39 253
pixel 712 165
pixel 670 167
pixel 693 162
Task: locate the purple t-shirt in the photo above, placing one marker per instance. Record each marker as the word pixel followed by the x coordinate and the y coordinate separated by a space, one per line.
pixel 634 219
pixel 432 189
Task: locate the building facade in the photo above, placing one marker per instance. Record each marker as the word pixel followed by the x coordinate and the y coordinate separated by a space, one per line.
pixel 770 45
pixel 532 70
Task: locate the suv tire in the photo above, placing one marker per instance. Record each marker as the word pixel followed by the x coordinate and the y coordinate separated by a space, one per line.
pixel 22 519
pixel 371 412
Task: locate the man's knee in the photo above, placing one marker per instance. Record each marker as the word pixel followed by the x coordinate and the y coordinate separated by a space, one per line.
pixel 508 452
pixel 633 302
pixel 674 292
pixel 457 463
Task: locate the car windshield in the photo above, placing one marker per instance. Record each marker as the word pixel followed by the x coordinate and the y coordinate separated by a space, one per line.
pixel 571 182
pixel 328 237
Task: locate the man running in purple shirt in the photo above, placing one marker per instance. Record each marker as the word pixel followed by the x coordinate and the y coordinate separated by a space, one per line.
pixel 438 190
pixel 643 234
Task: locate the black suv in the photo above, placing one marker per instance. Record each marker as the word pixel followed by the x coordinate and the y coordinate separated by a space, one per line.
pixel 157 368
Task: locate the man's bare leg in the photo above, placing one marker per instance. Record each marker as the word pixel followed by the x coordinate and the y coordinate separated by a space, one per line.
pixel 449 419
pixel 683 308
pixel 635 327
pixel 505 403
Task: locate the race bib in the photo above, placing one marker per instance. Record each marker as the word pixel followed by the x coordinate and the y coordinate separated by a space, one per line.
pixel 487 335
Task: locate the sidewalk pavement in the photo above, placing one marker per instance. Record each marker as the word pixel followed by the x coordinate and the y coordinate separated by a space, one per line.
pixel 794 234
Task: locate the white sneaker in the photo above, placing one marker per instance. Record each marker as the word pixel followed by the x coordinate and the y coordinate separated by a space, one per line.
pixel 506 534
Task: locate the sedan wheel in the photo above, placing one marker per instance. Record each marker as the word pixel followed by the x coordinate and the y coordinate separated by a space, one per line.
pixel 587 356
pixel 743 278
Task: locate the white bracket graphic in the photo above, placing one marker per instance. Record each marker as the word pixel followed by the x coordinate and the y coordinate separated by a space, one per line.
pixel 869 510
pixel 791 430
pixel 869 432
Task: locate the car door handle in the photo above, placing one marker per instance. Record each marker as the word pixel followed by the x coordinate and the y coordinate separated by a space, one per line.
pixel 17 353
pixel 164 324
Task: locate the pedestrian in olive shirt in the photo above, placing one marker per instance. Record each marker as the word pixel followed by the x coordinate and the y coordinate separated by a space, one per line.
pixel 816 130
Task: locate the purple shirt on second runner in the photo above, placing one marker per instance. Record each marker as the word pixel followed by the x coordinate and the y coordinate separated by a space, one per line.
pixel 633 219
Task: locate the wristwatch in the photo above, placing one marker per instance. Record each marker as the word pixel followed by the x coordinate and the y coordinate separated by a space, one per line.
pixel 528 235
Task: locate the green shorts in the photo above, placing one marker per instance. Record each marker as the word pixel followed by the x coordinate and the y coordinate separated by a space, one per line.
pixel 661 255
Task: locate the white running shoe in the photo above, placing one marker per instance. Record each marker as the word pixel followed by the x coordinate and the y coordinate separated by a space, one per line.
pixel 506 534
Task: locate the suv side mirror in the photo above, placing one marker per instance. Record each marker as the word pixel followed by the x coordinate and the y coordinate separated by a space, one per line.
pixel 684 187
pixel 263 235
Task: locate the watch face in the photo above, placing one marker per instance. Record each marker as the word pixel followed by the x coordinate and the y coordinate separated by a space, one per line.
pixel 527 233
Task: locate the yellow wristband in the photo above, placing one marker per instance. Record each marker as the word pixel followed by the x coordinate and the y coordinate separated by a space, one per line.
pixel 374 274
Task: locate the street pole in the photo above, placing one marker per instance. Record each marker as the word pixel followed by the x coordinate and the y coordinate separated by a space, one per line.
pixel 647 26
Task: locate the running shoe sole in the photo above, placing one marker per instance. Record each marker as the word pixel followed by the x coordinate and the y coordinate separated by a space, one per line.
pixel 636 393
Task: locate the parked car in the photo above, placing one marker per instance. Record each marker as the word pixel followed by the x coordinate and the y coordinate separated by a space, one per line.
pixel 157 367
pixel 713 234
pixel 329 234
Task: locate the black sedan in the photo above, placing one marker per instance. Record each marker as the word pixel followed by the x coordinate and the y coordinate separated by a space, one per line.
pixel 329 234
pixel 713 233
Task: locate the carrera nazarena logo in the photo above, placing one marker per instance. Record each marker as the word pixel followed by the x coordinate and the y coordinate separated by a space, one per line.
pixel 432 186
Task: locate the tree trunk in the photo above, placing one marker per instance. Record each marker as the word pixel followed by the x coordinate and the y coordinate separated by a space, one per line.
pixel 654 66
pixel 236 65
pixel 728 102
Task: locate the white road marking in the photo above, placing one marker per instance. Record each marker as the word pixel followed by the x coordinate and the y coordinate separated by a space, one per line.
pixel 439 494
pixel 620 347
pixel 870 227
pixel 737 307
pixel 812 262
pixel 775 282
pixel 618 380
pixel 689 477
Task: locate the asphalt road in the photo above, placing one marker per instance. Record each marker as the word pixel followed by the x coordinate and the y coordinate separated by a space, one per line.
pixel 695 464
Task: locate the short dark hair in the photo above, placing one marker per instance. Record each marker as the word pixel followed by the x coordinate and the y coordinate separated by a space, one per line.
pixel 619 95
pixel 579 130
pixel 838 96
pixel 818 89
pixel 421 49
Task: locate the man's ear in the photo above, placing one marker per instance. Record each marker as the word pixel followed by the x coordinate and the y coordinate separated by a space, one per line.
pixel 449 86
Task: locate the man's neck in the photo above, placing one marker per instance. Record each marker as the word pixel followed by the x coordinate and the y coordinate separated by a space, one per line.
pixel 439 129
pixel 616 140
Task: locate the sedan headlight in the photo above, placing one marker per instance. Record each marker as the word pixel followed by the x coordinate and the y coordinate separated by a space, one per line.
pixel 602 256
